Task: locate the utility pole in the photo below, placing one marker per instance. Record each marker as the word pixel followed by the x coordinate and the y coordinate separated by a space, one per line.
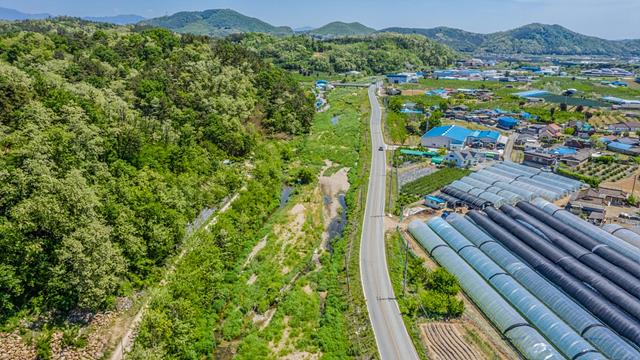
pixel 633 190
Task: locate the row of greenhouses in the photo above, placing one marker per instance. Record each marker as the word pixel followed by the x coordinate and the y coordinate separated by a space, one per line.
pixel 554 285
pixel 510 183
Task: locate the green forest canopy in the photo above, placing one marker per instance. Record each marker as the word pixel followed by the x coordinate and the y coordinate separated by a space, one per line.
pixel 112 141
pixel 373 54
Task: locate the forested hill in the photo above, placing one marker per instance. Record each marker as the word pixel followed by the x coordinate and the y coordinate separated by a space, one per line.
pixel 537 39
pixel 373 54
pixel 216 22
pixel 339 28
pixel 112 141
pixel 455 38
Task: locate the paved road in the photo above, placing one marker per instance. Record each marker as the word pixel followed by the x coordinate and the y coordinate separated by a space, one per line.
pixel 508 149
pixel 391 335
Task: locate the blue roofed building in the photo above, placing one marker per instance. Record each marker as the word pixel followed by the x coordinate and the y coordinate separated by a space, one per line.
pixel 322 84
pixel 563 151
pixel 411 108
pixel 507 122
pixel 485 138
pixel 455 137
pixel 434 202
pixel 619 83
pixel 448 136
pixel 626 149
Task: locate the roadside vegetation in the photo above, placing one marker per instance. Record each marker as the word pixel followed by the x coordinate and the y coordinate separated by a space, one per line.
pixel 282 293
pixel 429 295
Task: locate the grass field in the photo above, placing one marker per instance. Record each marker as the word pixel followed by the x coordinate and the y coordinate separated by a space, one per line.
pixel 341 142
pixel 591 88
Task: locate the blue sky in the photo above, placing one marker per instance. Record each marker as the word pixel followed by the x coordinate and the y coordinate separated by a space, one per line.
pixel 613 19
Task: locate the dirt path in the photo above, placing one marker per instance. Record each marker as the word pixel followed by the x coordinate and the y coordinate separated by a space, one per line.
pixel 130 332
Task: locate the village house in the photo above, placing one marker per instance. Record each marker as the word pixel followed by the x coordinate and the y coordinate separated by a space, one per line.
pixel 536 158
pixel 550 132
pixel 577 159
pixel 533 129
pixel 463 159
pixel 625 126
pixel 578 143
pixel 593 202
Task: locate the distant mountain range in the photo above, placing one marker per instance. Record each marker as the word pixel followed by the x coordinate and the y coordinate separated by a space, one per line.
pixel 218 22
pixel 12 15
pixel 118 19
pixel 535 39
pixel 532 39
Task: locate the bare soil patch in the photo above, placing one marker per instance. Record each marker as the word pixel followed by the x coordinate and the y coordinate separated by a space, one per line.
pixel 412 92
pixel 445 341
pixel 625 184
pixel 332 186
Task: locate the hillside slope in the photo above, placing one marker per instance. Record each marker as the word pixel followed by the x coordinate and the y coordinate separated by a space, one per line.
pixel 113 141
pixel 455 38
pixel 217 22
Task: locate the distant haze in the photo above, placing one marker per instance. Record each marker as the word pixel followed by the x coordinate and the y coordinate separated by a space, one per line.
pixel 611 19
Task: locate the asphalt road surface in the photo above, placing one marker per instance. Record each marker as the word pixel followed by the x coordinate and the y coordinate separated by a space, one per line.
pixel 391 335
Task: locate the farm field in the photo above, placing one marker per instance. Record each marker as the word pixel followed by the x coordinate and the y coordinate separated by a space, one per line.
pixel 447 341
pixel 590 87
pixel 432 182
pixel 607 119
pixel 606 172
